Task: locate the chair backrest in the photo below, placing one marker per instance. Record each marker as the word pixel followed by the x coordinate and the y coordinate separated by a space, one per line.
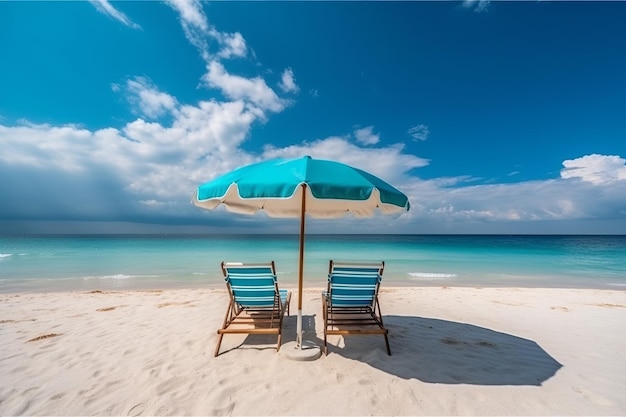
pixel 354 284
pixel 252 285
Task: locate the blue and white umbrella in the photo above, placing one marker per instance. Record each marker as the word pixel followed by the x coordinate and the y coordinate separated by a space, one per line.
pixel 296 187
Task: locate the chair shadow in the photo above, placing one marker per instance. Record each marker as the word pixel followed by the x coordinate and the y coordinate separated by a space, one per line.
pixel 447 352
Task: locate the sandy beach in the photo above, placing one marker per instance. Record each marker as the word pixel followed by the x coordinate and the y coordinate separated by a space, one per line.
pixel 455 351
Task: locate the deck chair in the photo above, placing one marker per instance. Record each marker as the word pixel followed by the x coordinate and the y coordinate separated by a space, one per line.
pixel 256 304
pixel 350 303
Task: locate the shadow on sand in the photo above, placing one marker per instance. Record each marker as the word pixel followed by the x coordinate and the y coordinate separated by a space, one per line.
pixel 435 351
pixel 447 352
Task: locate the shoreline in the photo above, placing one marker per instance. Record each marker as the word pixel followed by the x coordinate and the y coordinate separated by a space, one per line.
pixel 455 351
pixel 60 285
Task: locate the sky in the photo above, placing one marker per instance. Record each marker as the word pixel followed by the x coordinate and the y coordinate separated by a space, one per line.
pixel 493 117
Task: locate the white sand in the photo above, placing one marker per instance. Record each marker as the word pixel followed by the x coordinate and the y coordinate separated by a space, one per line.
pixel 456 351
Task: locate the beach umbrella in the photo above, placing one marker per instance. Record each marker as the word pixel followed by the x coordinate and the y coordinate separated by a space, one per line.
pixel 299 187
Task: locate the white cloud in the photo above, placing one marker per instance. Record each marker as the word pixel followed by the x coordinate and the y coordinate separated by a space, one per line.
pixel 235 87
pixel 45 146
pixel 148 99
pixel 366 136
pixel 144 161
pixel 194 23
pixel 419 132
pixel 389 163
pixel 191 13
pixel 149 169
pixel 596 169
pixel 254 91
pixel 479 207
pixel 199 32
pixel 233 45
pixel 288 82
pixel 104 7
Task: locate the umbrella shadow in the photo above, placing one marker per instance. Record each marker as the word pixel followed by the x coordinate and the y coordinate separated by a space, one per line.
pixel 447 352
pixel 268 342
pixel 308 329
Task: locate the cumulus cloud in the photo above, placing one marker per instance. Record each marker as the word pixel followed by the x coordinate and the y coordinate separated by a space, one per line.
pixel 233 45
pixel 149 170
pixel 194 23
pixel 45 147
pixel 530 204
pixel 288 82
pixel 143 161
pixel 596 169
pixel 148 99
pixel 199 32
pixel 419 132
pixel 389 163
pixel 191 14
pixel 104 7
pixel 253 91
pixel 235 87
pixel 366 136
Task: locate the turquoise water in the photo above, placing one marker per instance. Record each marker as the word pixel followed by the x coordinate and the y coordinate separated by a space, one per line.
pixel 53 263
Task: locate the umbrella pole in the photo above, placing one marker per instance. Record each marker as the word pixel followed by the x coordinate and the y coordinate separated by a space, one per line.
pixel 301 270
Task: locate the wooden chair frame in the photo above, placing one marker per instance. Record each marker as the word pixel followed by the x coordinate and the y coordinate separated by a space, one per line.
pixel 246 316
pixel 362 318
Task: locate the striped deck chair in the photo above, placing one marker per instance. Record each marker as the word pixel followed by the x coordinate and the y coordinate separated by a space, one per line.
pixel 256 304
pixel 350 304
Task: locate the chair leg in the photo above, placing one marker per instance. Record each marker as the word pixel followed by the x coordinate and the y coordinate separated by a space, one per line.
pixel 382 325
pixel 387 343
pixel 219 342
pixel 325 317
pixel 325 339
pixel 278 342
pixel 229 314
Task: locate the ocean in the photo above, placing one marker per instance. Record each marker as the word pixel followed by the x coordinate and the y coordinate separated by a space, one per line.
pixel 119 262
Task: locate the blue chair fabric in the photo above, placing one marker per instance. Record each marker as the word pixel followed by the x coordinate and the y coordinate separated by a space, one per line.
pixel 257 305
pixel 350 304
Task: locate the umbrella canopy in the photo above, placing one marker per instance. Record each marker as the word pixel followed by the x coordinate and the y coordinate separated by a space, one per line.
pixel 295 187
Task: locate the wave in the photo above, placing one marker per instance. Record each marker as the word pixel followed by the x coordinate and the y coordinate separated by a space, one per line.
pixel 119 276
pixel 430 275
pixel 5 255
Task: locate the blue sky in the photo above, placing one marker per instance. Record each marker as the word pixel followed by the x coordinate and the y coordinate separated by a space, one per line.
pixel 493 117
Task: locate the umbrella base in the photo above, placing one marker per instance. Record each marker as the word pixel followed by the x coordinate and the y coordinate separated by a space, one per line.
pixel 309 351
